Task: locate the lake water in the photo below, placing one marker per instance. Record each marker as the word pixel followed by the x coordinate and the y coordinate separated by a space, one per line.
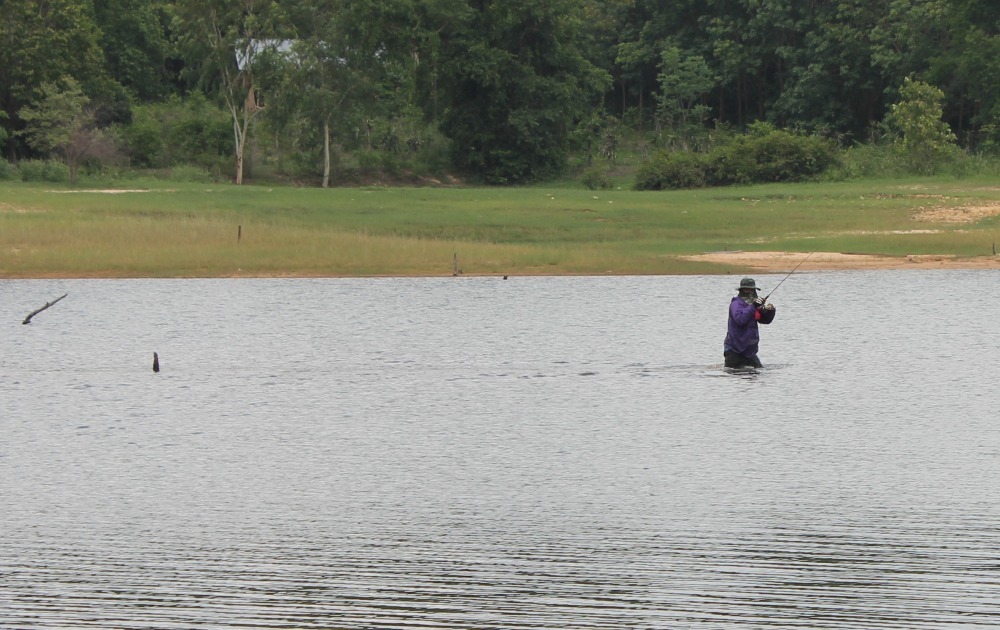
pixel 477 453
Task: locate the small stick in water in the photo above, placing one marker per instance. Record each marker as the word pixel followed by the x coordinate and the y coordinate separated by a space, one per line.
pixel 27 320
pixel 156 362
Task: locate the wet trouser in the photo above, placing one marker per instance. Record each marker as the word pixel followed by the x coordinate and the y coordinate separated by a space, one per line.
pixel 734 360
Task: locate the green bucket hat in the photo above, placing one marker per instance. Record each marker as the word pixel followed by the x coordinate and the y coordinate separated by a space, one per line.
pixel 748 283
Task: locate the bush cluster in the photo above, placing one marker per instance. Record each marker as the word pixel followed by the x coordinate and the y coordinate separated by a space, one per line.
pixel 673 169
pixel 7 170
pixel 52 171
pixel 772 156
pixel 596 179
pixel 189 132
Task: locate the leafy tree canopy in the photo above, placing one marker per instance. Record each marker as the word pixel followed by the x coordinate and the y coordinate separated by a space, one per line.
pixel 516 83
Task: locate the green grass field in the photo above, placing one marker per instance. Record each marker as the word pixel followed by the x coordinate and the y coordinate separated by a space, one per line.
pixel 205 230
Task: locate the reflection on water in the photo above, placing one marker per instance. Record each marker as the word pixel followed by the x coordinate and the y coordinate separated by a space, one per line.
pixel 472 453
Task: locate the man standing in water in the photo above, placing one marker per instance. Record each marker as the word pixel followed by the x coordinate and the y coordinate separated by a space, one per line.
pixel 746 310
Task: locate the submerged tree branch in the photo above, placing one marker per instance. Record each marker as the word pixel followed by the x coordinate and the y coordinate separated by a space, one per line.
pixel 27 320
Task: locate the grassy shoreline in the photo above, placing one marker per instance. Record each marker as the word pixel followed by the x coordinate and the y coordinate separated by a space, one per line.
pixel 149 228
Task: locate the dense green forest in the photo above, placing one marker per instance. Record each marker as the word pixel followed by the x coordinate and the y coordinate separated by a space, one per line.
pixel 496 91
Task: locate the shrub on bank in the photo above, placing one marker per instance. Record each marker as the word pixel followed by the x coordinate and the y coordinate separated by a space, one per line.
pixel 43 171
pixel 7 170
pixel 766 155
pixel 777 156
pixel 596 178
pixel 671 170
pixel 192 131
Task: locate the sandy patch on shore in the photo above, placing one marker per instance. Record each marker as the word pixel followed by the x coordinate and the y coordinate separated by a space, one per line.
pixel 957 214
pixel 777 262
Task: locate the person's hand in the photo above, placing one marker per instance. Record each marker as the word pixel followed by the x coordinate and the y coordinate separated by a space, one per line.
pixel 759 302
pixel 769 306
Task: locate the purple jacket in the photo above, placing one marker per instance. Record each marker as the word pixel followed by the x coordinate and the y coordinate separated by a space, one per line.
pixel 742 336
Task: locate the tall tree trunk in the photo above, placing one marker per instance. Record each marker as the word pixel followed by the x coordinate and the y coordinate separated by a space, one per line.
pixel 239 166
pixel 624 97
pixel 238 140
pixel 326 154
pixel 240 132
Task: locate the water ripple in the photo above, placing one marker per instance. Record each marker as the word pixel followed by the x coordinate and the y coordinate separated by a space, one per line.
pixel 420 454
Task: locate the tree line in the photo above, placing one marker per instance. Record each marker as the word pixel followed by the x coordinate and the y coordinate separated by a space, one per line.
pixel 500 90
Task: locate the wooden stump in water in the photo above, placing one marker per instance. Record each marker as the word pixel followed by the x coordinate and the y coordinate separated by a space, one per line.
pixel 156 362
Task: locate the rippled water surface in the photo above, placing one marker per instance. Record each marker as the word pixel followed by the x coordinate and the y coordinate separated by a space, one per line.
pixel 479 453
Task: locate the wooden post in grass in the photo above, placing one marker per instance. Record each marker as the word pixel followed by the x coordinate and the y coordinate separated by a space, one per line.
pixel 239 233
pixel 454 264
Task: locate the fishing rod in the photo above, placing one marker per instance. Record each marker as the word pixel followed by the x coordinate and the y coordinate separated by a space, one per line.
pixel 788 276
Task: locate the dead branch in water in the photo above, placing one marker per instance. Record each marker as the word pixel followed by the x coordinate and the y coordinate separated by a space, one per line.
pixel 27 320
